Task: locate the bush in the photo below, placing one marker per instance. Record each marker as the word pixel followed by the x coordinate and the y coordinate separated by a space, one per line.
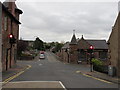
pixel 98 66
pixel 97 62
pixel 26 56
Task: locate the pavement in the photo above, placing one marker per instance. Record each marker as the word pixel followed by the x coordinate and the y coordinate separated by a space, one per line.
pixel 12 71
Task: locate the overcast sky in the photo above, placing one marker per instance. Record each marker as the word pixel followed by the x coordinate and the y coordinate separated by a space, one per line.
pixel 55 21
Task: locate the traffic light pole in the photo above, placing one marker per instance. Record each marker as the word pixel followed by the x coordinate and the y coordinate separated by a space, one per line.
pixel 91 56
pixel 91 65
pixel 10 55
pixel 0 45
pixel 11 37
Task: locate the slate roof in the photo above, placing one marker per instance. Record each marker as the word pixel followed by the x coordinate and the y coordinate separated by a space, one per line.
pixel 73 40
pixel 98 44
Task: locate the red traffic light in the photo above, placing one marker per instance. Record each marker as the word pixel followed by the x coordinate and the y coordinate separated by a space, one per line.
pixel 10 36
pixel 11 39
pixel 91 47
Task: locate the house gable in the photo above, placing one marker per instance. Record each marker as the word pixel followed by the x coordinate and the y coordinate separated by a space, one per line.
pixel 83 44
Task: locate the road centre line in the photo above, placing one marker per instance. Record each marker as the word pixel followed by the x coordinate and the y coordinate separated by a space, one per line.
pixel 16 75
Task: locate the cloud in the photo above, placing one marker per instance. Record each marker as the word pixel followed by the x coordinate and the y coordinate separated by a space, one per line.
pixel 53 21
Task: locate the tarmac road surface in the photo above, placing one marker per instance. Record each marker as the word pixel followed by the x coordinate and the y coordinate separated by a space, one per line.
pixel 51 69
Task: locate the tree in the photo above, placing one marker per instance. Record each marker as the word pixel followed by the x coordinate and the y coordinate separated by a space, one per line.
pixel 47 46
pixel 21 46
pixel 38 44
pixel 58 46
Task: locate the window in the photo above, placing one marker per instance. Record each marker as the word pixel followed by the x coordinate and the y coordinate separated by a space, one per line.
pixel 5 23
pixel 103 55
pixel 82 54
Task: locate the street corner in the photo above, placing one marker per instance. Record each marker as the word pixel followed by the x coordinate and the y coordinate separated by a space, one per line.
pixel 13 73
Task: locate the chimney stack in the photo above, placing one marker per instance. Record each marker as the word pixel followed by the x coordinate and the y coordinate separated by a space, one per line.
pixel 10 4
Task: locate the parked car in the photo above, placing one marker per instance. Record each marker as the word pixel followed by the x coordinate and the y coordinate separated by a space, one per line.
pixel 42 56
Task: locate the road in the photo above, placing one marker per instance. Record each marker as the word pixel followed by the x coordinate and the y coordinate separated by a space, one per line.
pixel 51 69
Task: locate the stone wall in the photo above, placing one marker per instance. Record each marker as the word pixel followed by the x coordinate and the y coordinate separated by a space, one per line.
pixel 73 53
pixel 114 45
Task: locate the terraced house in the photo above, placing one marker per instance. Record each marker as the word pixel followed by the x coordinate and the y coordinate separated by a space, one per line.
pixel 9 28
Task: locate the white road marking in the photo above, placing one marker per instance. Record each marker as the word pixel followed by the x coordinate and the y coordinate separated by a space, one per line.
pixel 41 81
pixel 38 84
pixel 40 64
pixel 33 81
pixel 62 85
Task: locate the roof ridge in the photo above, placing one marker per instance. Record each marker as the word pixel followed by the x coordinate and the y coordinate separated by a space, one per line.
pixel 96 39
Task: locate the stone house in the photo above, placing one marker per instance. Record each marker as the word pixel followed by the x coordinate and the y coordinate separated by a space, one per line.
pixel 100 50
pixel 114 45
pixel 78 50
pixel 69 51
pixel 73 47
pixel 65 52
pixel 10 25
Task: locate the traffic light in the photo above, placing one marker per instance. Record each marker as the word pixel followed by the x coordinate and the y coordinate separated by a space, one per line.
pixel 12 39
pixel 91 47
pixel 90 50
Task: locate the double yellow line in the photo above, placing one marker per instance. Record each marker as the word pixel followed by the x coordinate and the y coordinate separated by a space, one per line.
pixel 18 74
pixel 94 77
pixel 97 79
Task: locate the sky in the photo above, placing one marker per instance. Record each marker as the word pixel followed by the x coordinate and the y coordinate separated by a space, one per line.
pixel 55 20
